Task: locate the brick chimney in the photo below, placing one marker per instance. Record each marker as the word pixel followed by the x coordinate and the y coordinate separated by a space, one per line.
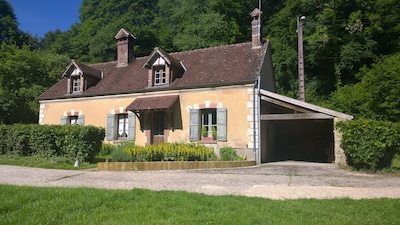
pixel 125 41
pixel 256 28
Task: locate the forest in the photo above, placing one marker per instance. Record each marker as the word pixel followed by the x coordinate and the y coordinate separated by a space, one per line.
pixel 351 47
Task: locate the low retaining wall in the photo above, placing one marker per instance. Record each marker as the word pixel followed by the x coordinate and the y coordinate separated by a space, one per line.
pixel 170 165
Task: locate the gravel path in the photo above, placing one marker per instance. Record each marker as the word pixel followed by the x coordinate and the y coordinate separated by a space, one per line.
pixel 283 180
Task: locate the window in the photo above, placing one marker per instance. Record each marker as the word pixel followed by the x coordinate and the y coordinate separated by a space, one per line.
pixel 159 75
pixel 209 122
pixel 207 119
pixel 120 126
pixel 75 84
pixel 73 120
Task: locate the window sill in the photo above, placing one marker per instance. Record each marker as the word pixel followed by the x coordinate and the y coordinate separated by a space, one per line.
pixel 208 140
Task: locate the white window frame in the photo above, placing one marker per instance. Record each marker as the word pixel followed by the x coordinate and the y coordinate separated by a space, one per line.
pixel 122 126
pixel 160 76
pixel 209 120
pixel 75 84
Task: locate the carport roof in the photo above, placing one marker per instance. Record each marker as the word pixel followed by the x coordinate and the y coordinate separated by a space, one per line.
pixel 300 105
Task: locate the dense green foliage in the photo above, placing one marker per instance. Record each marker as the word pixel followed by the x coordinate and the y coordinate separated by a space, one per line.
pixel 229 154
pixel 25 74
pixel 33 205
pixel 128 151
pixel 342 39
pixel 72 142
pixel 377 95
pixel 370 144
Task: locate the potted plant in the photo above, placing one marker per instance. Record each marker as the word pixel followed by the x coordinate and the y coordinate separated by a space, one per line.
pixel 214 133
pixel 204 132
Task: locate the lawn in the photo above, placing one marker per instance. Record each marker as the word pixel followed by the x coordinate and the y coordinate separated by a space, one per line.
pixel 33 205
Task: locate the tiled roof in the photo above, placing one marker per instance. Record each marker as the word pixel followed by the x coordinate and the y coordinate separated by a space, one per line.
pixel 216 66
pixel 152 103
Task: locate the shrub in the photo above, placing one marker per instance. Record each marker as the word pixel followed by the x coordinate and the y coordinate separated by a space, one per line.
pixel 171 151
pixel 229 154
pixel 369 144
pixel 72 142
pixel 106 149
pixel 120 155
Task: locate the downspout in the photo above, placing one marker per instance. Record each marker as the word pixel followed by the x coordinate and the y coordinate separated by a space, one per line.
pixel 254 120
pixel 259 117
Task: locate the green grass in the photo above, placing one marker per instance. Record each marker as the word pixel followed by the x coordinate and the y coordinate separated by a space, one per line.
pixel 33 205
pixel 52 163
pixel 396 161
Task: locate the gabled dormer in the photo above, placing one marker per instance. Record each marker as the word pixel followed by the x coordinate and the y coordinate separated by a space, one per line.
pixel 80 77
pixel 162 68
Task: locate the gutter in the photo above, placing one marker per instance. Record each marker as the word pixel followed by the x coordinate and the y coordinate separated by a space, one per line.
pixel 146 90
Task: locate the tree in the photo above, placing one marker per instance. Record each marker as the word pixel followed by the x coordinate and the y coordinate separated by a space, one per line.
pixel 8 21
pixel 376 96
pixel 25 74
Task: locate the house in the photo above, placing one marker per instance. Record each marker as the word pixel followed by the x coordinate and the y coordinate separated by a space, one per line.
pixel 221 96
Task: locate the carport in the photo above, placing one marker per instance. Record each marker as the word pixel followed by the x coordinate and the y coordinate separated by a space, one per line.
pixel 299 131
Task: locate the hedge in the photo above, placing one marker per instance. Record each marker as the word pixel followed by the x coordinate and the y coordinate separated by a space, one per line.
pixel 70 141
pixel 369 144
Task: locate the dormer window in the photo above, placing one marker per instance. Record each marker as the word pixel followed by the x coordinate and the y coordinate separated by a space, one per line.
pixel 75 79
pixel 76 84
pixel 159 75
pixel 81 77
pixel 163 69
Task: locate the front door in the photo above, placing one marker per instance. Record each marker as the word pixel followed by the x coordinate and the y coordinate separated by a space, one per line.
pixel 158 127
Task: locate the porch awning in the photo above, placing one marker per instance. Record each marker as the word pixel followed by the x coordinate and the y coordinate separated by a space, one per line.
pixel 152 103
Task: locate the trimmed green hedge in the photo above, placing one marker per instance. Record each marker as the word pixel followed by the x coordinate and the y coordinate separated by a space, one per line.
pixel 369 144
pixel 72 142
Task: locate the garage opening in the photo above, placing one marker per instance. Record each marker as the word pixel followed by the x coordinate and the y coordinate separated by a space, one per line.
pixel 299 140
pixel 295 130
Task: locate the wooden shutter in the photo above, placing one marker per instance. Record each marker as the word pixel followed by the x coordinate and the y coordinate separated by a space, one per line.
pixel 81 120
pixel 221 124
pixel 131 126
pixel 194 129
pixel 110 129
pixel 63 120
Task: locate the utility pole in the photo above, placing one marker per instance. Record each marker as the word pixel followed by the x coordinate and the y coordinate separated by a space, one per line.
pixel 300 20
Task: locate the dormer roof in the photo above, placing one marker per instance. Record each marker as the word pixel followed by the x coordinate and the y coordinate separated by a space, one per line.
pixel 156 54
pixel 81 69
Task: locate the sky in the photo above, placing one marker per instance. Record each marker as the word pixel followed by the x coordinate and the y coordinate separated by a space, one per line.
pixel 41 16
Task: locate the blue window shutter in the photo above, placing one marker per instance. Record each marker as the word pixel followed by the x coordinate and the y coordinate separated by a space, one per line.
pixel 63 120
pixel 221 124
pixel 194 129
pixel 110 129
pixel 131 126
pixel 81 120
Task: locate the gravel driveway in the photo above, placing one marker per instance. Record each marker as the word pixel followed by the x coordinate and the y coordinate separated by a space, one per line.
pixel 281 180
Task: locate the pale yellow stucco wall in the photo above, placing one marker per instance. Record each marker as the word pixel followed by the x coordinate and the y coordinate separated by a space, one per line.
pixel 237 100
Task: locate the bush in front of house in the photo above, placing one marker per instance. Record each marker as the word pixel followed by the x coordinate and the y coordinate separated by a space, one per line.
pixel 72 142
pixel 229 154
pixel 171 152
pixel 369 144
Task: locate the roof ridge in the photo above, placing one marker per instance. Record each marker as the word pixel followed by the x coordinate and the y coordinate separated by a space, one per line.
pixel 215 47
